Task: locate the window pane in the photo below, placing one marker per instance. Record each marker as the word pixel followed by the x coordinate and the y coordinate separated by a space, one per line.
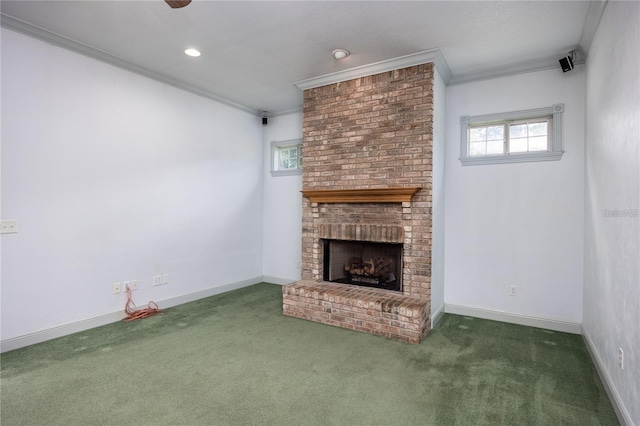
pixel 477 148
pixel 288 158
pixel 539 143
pixel 518 131
pixel 528 137
pixel 488 140
pixel 518 144
pixel 495 133
pixel 495 147
pixel 478 134
pixel 538 129
pixel 284 158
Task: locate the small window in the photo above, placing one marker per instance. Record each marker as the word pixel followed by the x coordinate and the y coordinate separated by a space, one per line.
pixel 509 137
pixel 521 136
pixel 286 157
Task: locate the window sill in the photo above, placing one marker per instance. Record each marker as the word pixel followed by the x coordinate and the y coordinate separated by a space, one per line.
pixel 293 172
pixel 513 158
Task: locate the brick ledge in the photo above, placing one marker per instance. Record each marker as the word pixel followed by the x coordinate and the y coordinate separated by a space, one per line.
pixel 382 312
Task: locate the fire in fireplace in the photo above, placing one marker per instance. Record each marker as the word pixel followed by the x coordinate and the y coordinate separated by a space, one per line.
pixel 368 264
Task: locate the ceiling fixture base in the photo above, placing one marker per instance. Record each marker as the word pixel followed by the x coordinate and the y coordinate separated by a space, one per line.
pixel 340 53
pixel 177 4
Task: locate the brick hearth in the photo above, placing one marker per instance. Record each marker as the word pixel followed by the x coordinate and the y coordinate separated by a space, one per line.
pixel 374 311
pixel 368 133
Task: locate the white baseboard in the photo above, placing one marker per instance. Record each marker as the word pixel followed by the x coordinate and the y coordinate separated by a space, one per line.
pixel 549 324
pixel 86 324
pixel 437 316
pixel 614 397
pixel 59 331
pixel 280 281
pixel 192 297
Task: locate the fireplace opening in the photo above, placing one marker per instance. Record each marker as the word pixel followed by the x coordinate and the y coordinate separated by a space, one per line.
pixel 362 263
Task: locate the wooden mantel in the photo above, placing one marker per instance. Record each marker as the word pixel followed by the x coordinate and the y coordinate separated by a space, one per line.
pixel 373 195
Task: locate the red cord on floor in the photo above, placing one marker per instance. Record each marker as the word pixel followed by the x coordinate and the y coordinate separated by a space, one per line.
pixel 134 314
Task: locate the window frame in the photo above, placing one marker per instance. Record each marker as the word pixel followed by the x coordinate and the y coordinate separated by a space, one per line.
pixel 276 147
pixel 554 143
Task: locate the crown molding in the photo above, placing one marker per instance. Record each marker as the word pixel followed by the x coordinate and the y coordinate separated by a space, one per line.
pixel 50 37
pixel 596 9
pixel 285 111
pixel 540 64
pixel 433 55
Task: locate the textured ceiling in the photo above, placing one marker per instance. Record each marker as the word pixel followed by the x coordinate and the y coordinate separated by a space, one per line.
pixel 253 52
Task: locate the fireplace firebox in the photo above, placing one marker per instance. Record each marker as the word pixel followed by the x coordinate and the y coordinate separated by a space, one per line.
pixel 368 264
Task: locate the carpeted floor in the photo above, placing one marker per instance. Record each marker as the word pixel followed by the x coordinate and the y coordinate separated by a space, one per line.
pixel 234 359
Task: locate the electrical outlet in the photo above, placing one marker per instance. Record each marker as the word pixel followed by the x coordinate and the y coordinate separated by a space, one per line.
pixel 165 279
pixel 134 285
pixel 126 284
pixel 157 280
pixel 116 288
pixel 9 226
pixel 512 290
pixel 621 358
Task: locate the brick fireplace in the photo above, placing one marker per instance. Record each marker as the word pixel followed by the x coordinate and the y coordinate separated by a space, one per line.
pixel 367 177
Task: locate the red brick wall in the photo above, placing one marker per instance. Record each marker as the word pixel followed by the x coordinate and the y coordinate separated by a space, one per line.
pixel 372 132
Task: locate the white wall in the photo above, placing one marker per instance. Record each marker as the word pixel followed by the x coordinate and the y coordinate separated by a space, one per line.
pixel 517 224
pixel 612 244
pixel 438 198
pixel 282 249
pixel 115 177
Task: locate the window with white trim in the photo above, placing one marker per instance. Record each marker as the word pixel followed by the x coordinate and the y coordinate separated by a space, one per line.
pixel 512 137
pixel 286 157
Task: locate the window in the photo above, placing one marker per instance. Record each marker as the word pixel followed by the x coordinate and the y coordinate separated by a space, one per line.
pixel 513 137
pixel 509 137
pixel 286 157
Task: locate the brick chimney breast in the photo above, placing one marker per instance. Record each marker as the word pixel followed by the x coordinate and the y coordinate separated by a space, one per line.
pixel 372 132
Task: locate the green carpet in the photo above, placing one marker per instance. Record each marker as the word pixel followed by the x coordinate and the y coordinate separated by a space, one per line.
pixel 234 359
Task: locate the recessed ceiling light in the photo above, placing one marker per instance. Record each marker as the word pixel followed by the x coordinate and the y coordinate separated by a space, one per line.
pixel 192 52
pixel 340 53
